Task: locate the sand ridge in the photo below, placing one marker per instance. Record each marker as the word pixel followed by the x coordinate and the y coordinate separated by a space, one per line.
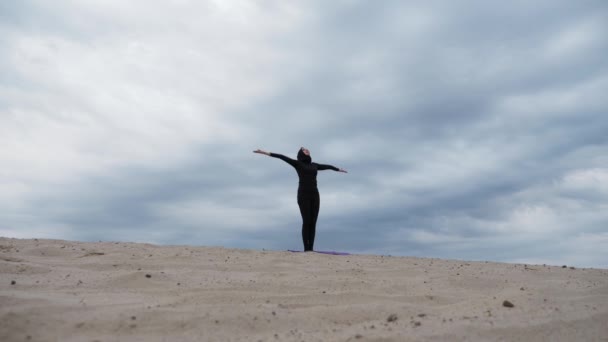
pixel 54 290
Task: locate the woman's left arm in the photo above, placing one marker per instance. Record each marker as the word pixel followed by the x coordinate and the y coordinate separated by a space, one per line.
pixel 322 167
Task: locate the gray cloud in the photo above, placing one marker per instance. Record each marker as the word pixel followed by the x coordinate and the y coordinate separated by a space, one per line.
pixel 470 130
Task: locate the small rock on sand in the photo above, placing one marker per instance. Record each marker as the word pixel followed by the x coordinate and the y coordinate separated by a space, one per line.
pixel 507 304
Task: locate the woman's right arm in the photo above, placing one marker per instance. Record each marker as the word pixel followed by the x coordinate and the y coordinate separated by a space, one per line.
pixel 276 155
pixel 261 152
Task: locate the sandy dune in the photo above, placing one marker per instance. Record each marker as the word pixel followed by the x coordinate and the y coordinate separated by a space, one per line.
pixel 52 290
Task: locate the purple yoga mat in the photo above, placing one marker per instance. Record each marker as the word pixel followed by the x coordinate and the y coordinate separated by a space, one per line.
pixel 322 252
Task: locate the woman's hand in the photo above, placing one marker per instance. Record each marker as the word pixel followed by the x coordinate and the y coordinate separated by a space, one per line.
pixel 261 152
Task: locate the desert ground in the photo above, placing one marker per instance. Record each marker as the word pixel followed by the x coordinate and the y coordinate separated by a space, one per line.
pixel 54 290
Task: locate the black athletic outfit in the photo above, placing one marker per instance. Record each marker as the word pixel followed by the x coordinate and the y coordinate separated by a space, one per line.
pixel 308 194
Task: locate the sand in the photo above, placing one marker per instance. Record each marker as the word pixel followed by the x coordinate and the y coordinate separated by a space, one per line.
pixel 53 290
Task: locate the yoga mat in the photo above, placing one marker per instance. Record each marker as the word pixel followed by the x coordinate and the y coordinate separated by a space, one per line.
pixel 322 252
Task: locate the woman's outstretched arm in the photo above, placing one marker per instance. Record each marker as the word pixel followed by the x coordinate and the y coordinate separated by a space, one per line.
pixel 321 167
pixel 261 152
pixel 276 155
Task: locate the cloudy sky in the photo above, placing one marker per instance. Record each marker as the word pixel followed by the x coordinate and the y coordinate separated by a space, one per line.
pixel 473 130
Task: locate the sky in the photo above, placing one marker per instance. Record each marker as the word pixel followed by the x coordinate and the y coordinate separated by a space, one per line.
pixel 471 130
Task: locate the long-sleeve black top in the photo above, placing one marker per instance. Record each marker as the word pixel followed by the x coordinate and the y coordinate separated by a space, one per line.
pixel 307 172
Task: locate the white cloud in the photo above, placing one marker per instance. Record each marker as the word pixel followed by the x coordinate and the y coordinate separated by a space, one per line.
pixel 588 180
pixel 135 94
pixel 573 100
pixel 576 39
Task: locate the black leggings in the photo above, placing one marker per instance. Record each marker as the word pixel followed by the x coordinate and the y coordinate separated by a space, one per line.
pixel 309 208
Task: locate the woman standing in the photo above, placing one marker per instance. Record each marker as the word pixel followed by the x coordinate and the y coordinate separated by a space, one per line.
pixel 308 194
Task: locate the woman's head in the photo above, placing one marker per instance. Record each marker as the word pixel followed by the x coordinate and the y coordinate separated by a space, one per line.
pixel 304 155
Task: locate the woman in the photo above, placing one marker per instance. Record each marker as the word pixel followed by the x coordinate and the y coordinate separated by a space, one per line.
pixel 308 194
